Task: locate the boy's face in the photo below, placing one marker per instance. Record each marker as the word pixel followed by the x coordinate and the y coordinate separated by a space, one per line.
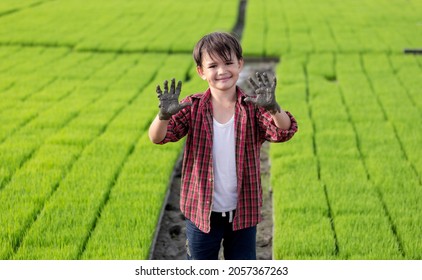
pixel 220 74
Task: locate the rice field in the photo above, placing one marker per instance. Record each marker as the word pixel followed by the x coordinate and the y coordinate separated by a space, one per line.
pixel 79 178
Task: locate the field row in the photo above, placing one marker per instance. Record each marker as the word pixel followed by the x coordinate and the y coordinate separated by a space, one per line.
pixel 272 27
pixel 11 6
pixel 76 160
pixel 79 178
pixel 350 182
pixel 276 27
pixel 167 26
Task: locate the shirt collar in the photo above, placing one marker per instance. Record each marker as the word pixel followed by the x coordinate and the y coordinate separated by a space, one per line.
pixel 206 97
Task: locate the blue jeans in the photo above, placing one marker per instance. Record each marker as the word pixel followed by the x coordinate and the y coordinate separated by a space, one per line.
pixel 238 245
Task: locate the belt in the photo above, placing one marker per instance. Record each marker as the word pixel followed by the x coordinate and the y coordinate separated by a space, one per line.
pixel 229 214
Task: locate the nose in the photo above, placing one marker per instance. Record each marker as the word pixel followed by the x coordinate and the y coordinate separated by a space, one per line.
pixel 221 69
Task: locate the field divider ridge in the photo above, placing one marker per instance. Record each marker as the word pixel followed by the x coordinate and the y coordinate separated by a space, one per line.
pixel 318 162
pixel 354 122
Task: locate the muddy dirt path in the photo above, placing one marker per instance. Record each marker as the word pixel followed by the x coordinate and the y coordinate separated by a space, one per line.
pixel 170 239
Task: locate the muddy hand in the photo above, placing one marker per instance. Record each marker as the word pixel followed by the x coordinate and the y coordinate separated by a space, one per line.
pixel 264 93
pixel 169 100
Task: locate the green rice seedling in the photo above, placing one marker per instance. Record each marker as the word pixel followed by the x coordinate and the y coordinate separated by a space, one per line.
pixel 394 195
pixel 353 197
pixel 329 26
pixel 5 53
pixel 404 63
pixel 65 63
pixel 408 230
pixel 360 103
pixel 277 24
pixel 385 168
pixel 15 59
pixel 71 135
pixel 194 85
pixel 410 141
pixel 139 73
pixel 71 211
pixel 106 108
pixel 377 138
pixel 18 235
pixel 253 39
pixel 24 88
pixel 390 168
pixel 55 117
pixel 54 92
pixel 6 83
pixel 10 6
pixel 16 150
pixel 82 72
pixel 322 109
pixel 404 210
pixel 24 196
pixel 221 17
pixel 294 98
pixel 343 168
pixel 367 236
pixel 132 221
pixel 346 186
pixel 348 65
pixel 322 65
pixel 301 42
pixel 42 62
pixel 390 93
pixel 16 117
pixel 175 66
pixel 300 145
pixel 323 39
pixel 292 76
pixel 299 194
pixel 293 229
pixel 398 105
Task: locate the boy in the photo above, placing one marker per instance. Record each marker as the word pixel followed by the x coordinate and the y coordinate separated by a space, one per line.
pixel 221 193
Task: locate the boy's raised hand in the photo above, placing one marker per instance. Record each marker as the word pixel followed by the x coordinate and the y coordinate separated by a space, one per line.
pixel 264 93
pixel 169 100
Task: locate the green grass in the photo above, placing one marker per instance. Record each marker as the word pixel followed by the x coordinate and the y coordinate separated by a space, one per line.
pixel 79 178
pixel 118 26
pixel 359 143
pixel 278 27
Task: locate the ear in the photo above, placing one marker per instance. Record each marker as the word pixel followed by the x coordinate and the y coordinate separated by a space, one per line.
pixel 200 72
pixel 241 63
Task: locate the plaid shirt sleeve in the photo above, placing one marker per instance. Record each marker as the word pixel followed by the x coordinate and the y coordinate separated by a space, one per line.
pixel 270 132
pixel 179 124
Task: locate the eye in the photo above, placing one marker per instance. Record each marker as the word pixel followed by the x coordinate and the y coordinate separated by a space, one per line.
pixel 229 62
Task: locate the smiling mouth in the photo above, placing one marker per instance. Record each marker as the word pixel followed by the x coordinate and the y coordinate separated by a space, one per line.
pixel 224 79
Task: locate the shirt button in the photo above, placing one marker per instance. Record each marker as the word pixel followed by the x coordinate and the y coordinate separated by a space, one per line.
pixel 210 179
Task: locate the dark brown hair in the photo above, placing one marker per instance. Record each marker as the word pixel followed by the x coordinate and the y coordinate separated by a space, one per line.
pixel 217 43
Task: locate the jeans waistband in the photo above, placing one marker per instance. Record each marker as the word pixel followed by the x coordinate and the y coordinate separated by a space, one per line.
pixel 228 214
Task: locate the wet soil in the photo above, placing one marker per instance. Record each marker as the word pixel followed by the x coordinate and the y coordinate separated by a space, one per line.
pixel 170 240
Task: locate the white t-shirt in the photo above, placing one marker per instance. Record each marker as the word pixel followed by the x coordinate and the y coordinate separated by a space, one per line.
pixel 224 162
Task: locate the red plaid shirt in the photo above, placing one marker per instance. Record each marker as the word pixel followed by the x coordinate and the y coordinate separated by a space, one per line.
pixel 253 126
